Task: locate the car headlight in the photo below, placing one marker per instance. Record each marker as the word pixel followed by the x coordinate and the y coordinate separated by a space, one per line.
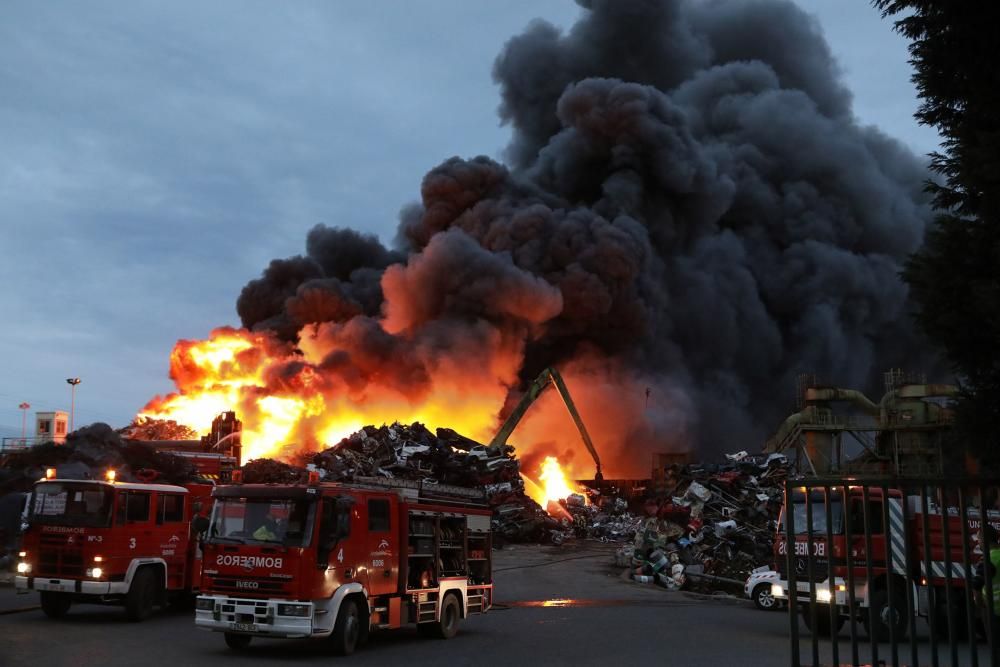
pixel 294 610
pixel 94 572
pixel 777 591
pixel 23 568
pixel 823 595
pixel 204 604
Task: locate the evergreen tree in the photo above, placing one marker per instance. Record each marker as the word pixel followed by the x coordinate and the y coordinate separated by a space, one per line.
pixel 955 277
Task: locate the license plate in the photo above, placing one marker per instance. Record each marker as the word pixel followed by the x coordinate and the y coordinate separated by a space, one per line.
pixel 58 587
pixel 245 627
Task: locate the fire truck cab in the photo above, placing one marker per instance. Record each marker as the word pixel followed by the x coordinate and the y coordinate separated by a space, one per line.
pixel 892 558
pixel 102 541
pixel 339 560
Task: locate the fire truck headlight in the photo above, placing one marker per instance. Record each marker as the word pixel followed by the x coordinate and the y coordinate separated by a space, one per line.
pixel 823 595
pixel 205 604
pixel 294 610
pixel 23 568
pixel 777 591
pixel 95 572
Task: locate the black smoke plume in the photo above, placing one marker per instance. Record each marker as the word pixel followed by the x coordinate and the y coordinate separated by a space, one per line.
pixel 688 205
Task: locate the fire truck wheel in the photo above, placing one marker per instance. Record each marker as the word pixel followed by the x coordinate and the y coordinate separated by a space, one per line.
pixel 55 605
pixel 823 627
pixel 237 642
pixel 763 599
pixel 142 594
pixel 447 627
pixel 886 613
pixel 348 628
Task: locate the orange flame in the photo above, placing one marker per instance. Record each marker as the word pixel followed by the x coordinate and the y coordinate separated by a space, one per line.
pixel 552 486
pixel 337 377
pixel 287 401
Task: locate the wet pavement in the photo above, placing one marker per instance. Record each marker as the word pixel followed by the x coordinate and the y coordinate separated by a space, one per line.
pixel 554 606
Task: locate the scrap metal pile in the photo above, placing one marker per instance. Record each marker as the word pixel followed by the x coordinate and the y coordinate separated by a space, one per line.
pixel 713 524
pixel 87 453
pixel 596 517
pixel 413 452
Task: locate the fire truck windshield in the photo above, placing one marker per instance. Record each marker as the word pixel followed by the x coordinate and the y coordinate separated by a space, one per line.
pixel 283 521
pixel 69 504
pixel 801 524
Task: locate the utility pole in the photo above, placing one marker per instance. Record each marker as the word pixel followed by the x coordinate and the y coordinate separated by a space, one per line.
pixel 72 399
pixel 24 421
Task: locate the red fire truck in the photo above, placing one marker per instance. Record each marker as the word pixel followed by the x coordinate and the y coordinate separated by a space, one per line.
pixel 898 554
pixel 339 560
pixel 102 541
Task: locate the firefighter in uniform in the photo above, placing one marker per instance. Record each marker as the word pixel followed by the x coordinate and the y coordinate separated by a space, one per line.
pixel 270 530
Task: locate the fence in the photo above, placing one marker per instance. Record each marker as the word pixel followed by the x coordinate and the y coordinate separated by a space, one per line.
pixel 18 444
pixel 883 554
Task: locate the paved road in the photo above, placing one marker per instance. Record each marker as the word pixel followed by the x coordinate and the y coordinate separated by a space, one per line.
pixel 554 606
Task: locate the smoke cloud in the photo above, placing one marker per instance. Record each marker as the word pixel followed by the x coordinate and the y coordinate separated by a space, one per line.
pixel 688 217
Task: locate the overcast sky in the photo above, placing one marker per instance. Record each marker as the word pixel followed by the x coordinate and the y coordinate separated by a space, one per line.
pixel 155 156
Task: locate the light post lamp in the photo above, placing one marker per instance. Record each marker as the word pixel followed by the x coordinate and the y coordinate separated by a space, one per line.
pixel 24 421
pixel 72 399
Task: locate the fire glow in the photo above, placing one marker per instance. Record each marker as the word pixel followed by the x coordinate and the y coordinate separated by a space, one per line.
pixel 553 484
pixel 234 369
pixel 288 401
pixel 291 398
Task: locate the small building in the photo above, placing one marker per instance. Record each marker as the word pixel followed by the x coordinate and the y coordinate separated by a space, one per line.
pixel 51 426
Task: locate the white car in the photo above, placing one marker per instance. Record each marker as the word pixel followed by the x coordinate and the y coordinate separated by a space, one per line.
pixel 758 588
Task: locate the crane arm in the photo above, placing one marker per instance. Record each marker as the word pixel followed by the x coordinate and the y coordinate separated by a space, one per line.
pixel 534 389
pixel 568 400
pixel 538 385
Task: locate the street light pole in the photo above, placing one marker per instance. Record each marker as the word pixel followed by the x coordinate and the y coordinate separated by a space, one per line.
pixel 72 399
pixel 24 420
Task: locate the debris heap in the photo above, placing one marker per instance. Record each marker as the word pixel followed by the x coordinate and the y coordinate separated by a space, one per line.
pixel 413 452
pixel 710 524
pixel 87 453
pixel 596 517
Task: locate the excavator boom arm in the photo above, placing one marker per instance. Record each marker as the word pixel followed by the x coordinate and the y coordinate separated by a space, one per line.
pixel 547 376
pixel 534 389
pixel 568 400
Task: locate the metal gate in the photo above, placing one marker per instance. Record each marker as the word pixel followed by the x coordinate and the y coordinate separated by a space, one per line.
pixel 890 571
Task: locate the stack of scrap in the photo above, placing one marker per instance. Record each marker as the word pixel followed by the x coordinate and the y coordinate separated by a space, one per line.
pixel 597 518
pixel 87 454
pixel 269 471
pixel 413 452
pixel 714 525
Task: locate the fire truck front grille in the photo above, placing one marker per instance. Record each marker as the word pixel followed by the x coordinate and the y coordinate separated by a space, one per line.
pixel 257 614
pixel 249 588
pixel 59 563
pixel 819 567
